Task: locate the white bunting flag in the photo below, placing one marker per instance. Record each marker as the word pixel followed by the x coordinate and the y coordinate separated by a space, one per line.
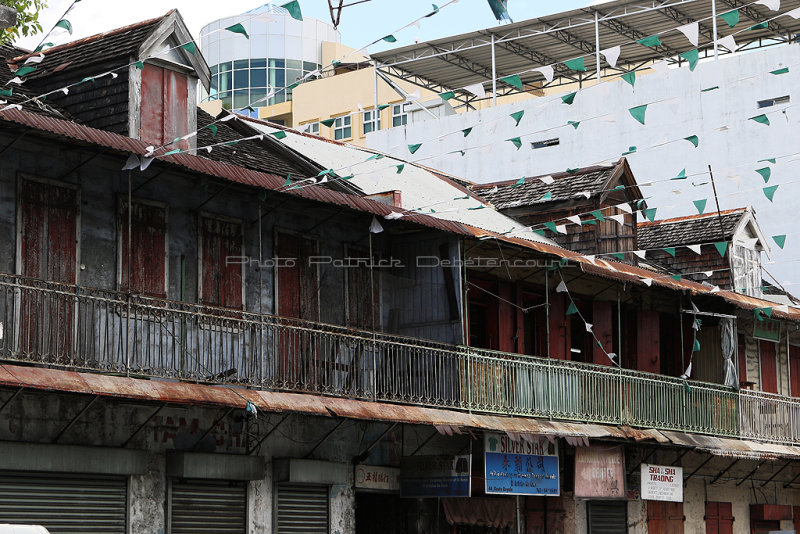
pixel 375 227
pixel 546 71
pixel 647 281
pixel 750 243
pixel 132 163
pixel 33 60
pixel 393 215
pixel 547 179
pixel 695 248
pixel 149 150
pixel 16 79
pixel 619 219
pixel 574 219
pixel 783 308
pixel 65 90
pixel 728 42
pixel 561 228
pixel 586 194
pixel 476 89
pixel 611 55
pixel 688 372
pixel 590 259
pixel 227 118
pixel 795 13
pixel 145 163
pixel 691 31
pixel 640 253
pixel 589 327
pixel 708 274
pixel 561 288
pixel 772 5
pixel 715 289
pixel 625 207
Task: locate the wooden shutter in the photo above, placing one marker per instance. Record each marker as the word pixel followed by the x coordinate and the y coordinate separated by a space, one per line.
pixel 559 327
pixel 794 370
pixel 719 518
pixel 298 282
pixel 648 344
pixel 221 276
pixel 664 517
pixel 604 330
pixel 143 267
pixel 165 106
pixel 363 299
pixel 769 367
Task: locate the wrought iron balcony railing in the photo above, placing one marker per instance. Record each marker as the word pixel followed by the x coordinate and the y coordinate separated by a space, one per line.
pixel 79 328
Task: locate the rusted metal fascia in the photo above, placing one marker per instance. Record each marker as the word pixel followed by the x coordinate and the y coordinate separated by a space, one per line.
pixel 207 432
pixel 255 447
pixel 324 438
pixel 75 419
pixel 144 424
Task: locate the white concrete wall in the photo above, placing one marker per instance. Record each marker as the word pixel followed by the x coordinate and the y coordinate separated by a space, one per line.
pixel 677 108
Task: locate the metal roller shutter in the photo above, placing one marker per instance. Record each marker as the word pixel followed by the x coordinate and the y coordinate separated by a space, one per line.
pixel 215 507
pixel 65 503
pixel 302 509
pixel 607 517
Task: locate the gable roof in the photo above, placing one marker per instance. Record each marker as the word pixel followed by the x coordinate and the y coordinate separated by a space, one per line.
pixel 566 186
pixel 690 230
pixel 19 93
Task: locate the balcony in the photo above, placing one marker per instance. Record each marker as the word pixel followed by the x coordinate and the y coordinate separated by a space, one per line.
pixel 88 329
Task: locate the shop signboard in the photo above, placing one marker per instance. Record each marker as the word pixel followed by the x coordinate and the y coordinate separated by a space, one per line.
pixel 377 478
pixel 767 329
pixel 662 483
pixel 600 472
pixel 435 476
pixel 520 467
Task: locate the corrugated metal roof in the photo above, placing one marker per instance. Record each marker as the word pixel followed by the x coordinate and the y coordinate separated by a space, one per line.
pixel 689 230
pixel 76 132
pixel 461 60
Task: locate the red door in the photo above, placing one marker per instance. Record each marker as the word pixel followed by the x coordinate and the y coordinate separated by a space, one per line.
pixel 297 297
pixel 221 263
pixel 719 518
pixel 664 517
pixel 165 106
pixel 143 263
pixel 794 370
pixel 48 251
pixel 769 368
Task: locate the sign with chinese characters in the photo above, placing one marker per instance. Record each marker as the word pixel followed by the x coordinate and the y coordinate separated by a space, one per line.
pixel 768 330
pixel 435 476
pixel 600 472
pixel 662 483
pixel 520 467
pixel 377 478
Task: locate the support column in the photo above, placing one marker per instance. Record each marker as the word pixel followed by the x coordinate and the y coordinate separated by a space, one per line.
pixel 714 23
pixel 494 75
pixel 597 43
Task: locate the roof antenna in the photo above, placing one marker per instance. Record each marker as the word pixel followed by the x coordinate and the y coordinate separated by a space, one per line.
pixel 336 12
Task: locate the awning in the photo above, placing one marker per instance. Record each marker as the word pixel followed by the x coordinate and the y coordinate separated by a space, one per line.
pixel 733 448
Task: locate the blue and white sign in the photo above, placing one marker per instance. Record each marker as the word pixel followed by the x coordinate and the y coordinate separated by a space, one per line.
pixel 520 467
pixel 435 476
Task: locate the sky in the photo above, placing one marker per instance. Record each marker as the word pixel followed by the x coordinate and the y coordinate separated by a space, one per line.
pixel 360 24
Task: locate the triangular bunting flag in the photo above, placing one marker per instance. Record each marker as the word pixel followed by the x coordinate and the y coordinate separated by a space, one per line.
pixel 413 148
pixel 293 8
pixel 390 38
pixel 400 167
pixel 517 116
pixel 133 162
pixel 700 205
pixel 572 309
pixel 598 214
pixel 651 41
pixel 569 98
pixel 547 179
pixel 589 327
pixel 650 214
pixel 190 47
pixel 467 131
pixel 575 219
pixel 697 249
pixel 731 18
pixel 476 89
pixel 561 228
pixel 760 26
pixel 375 227
pixel 765 173
pixel 772 5
pixel 519 182
pixel 693 139
pixel 691 31
pixel 561 288
pixel 447 96
pixel 681 175
pixel 625 207
pixel 761 119
pixel 611 55
pixel 670 251
pixel 547 196
pixel 638 112
pixel 728 42
pixel 619 219
pixel 65 24
pixel 630 77
pixel 280 134
pixel 692 56
pixel 546 71
pixel 784 70
pixel 574 124
pixel 238 28
pixel 647 281
pixel 576 64
pixel 722 247
pixel 513 80
pixel 769 192
pixel 516 141
pixel 780 240
pixel 550 226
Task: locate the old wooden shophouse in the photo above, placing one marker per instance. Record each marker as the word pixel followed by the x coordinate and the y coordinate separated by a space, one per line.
pixel 203 329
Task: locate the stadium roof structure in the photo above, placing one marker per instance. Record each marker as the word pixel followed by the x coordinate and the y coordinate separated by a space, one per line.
pixel 452 63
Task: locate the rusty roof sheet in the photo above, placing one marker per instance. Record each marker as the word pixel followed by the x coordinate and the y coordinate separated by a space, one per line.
pixel 76 132
pixel 732 447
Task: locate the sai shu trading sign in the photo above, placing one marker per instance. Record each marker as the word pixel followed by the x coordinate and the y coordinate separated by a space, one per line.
pixel 600 472
pixel 662 483
pixel 520 467
pixel 435 476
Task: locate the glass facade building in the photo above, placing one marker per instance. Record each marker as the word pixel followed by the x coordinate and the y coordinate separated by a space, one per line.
pixel 256 72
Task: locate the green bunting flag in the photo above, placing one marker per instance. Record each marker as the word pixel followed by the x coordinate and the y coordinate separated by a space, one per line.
pixel 6 92
pixel 383 106
pixel 630 77
pixel 280 134
pixel 572 171
pixel 700 205
pixel 574 124
pixel 620 256
pixel 390 38
pixel 64 23
pixel 519 182
pixel 759 26
pixel 780 240
pixel 696 346
pixel 22 71
pixel 335 63
pixel 722 247
pixel 631 150
pixel 190 47
pixel 447 96
pixel 731 17
pixel 328 122
pixel 650 213
pixel 238 28
pixel 670 251
pixel 693 139
pixel 761 119
pixel 547 196
pixel 213 128
pixel 572 309
pixel 400 167
pixel 765 173
pixel 516 141
pixel 176 151
pixel 288 181
pixel 651 41
pixel 551 226
pixel 707 89
pixel 760 313
pixel 467 131
pixel 413 148
pixel 293 8
pixel 638 112
pixel 517 116
pixel 139 65
pixel 41 47
pixel 784 70
pixel 576 64
pixel 569 99
pixel 374 157
pixel 768 160
pixel 676 277
pixel 513 80
pixel 434 12
pixel 769 192
pixel 692 56
pixel 681 175
pixel 598 214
